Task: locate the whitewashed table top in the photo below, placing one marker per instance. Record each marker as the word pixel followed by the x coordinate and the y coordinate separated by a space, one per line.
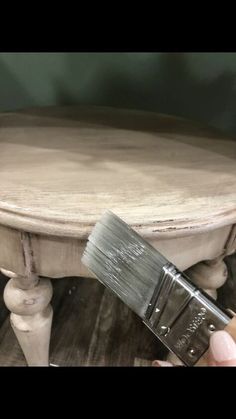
pixel 61 168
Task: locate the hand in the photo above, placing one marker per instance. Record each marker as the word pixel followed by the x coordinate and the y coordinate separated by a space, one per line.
pixel 222 351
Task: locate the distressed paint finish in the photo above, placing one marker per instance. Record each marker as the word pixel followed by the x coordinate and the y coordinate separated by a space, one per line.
pixel 61 168
pixel 45 250
pixel 80 321
pixel 172 180
pixel 28 298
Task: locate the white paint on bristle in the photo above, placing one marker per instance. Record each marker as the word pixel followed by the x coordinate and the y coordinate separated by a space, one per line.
pixel 123 262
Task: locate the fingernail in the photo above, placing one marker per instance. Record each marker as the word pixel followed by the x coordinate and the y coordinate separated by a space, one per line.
pixel 161 364
pixel 222 346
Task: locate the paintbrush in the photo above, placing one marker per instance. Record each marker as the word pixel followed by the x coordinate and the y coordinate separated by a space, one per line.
pixel 181 315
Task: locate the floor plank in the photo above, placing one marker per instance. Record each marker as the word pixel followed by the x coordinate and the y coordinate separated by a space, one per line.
pixel 91 327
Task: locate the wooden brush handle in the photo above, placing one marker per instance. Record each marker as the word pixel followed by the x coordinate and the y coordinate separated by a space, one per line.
pixel 231 329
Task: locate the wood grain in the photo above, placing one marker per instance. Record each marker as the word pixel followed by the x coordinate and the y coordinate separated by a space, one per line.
pixel 78 318
pixel 90 328
pixel 56 257
pixel 172 180
pixel 61 168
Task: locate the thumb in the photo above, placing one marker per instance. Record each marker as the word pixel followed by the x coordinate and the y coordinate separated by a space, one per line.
pixel 222 349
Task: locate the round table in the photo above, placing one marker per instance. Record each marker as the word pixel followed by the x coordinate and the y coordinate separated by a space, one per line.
pixel 171 179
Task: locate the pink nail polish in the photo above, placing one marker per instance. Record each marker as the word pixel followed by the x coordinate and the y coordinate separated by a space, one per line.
pixel 161 364
pixel 222 346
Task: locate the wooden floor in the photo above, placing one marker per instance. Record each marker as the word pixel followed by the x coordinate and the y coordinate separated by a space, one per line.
pixel 92 327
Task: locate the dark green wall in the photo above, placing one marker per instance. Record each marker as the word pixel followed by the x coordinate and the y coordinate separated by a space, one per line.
pixel 199 86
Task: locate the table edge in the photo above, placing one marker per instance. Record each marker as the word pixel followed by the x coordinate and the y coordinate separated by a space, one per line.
pixel 36 224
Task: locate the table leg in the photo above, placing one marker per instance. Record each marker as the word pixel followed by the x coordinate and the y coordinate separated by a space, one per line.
pixel 208 275
pixel 28 300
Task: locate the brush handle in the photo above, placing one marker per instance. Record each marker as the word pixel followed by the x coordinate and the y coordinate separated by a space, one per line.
pixel 231 329
pixel 183 316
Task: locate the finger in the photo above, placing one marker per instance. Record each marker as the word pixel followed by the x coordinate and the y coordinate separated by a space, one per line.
pixel 158 363
pixel 222 349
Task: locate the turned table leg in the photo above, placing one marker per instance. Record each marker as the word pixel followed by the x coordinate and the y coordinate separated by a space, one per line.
pixel 28 300
pixel 208 275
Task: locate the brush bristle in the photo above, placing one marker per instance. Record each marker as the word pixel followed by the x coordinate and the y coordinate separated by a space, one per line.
pixel 123 262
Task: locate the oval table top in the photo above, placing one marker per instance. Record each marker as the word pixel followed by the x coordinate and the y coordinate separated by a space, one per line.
pixel 61 168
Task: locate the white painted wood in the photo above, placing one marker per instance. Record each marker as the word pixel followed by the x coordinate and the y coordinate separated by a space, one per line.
pixel 207 275
pixel 31 317
pixel 182 251
pixel 33 334
pixel 172 180
pixel 61 168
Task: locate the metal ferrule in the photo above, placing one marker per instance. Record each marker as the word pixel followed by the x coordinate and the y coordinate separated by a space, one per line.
pixel 182 316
